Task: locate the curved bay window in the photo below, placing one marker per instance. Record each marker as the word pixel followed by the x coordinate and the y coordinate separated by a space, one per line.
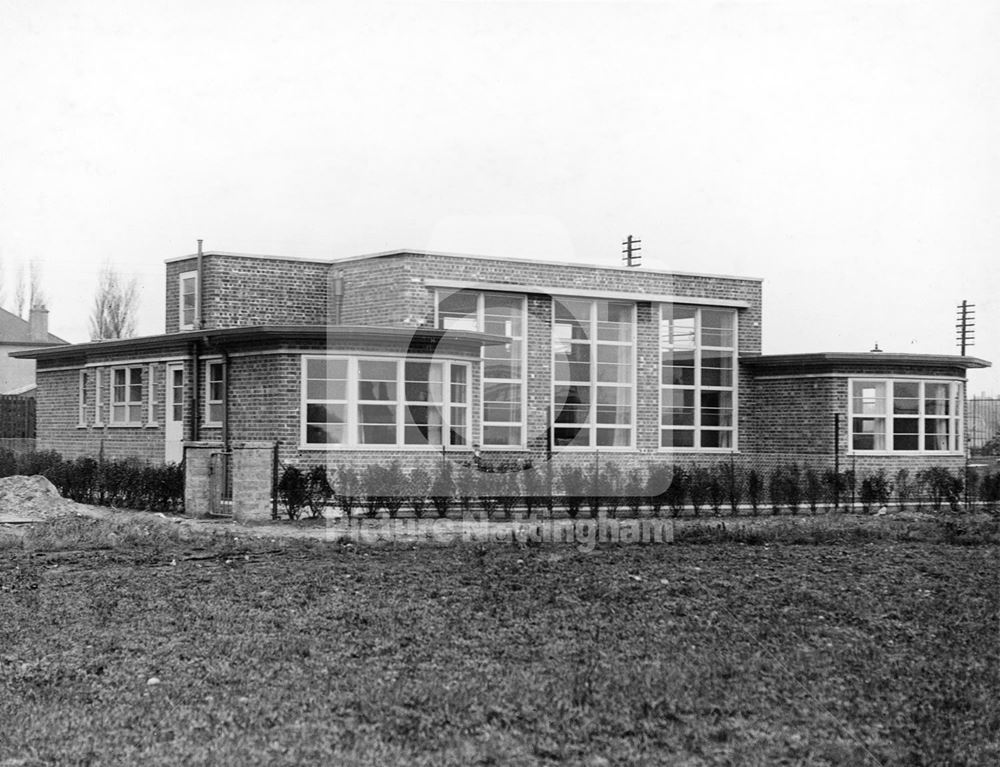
pixel 905 415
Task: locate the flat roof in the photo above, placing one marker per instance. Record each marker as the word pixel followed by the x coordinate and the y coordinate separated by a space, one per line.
pixel 260 335
pixel 410 252
pixel 821 360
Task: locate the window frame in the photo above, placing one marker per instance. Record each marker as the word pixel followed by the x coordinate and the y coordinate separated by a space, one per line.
pixel 210 402
pixel 128 406
pixel 181 279
pixel 82 399
pixel 955 420
pixel 352 403
pixel 698 387
pixel 484 380
pixel 595 341
pixel 151 395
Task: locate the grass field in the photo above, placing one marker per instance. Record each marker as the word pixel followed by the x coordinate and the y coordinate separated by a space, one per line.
pixel 881 652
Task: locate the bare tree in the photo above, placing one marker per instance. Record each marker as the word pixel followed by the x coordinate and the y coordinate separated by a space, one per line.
pixel 20 291
pixel 115 303
pixel 36 296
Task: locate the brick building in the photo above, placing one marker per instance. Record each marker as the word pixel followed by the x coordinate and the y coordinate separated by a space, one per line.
pixel 416 355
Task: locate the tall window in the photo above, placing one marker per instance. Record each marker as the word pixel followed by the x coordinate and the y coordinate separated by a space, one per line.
pixel 593 348
pixel 82 399
pixel 697 376
pixel 188 284
pixel 500 314
pixel 215 393
pixel 905 415
pixel 126 395
pixel 356 402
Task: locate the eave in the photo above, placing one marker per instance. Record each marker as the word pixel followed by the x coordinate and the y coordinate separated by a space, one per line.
pixel 829 362
pixel 271 336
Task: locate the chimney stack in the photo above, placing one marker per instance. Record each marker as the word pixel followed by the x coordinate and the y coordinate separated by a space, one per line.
pixel 38 321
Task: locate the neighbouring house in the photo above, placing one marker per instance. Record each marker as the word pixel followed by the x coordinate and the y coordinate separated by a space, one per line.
pixel 17 374
pixel 419 356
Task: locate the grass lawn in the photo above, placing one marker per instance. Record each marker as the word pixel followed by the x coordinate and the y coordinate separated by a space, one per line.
pixel 881 652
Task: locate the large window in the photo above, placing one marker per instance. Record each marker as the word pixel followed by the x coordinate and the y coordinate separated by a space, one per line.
pixel 593 348
pixel 500 314
pixel 188 289
pixel 383 402
pixel 697 377
pixel 905 415
pixel 126 395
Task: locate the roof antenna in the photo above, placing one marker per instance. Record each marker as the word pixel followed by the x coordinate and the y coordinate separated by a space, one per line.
pixel 876 349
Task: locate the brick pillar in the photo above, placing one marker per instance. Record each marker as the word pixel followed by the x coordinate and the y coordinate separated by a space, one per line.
pixel 198 477
pixel 252 468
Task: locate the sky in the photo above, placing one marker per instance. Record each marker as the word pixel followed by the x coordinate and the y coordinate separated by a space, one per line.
pixel 847 153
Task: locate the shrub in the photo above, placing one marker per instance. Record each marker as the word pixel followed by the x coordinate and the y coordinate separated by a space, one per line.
pixel 657 484
pixel 443 490
pixel 989 491
pixel 487 488
pixel 466 487
pixel 394 488
pixel 370 489
pixel 319 491
pixel 607 490
pixel 735 486
pixel 755 490
pixel 904 488
pixel 509 492
pixel 717 485
pixel 813 488
pixel 941 486
pixel 876 490
pixel 418 484
pixel 347 498
pixel 677 490
pixel 792 488
pixel 574 489
pixel 698 483
pixel 293 490
pixel 776 485
pixel 8 462
pixel 537 488
pixel 632 491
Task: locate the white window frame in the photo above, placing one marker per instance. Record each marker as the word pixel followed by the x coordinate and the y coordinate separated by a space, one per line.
pixel 127 406
pixel 698 387
pixel 522 380
pixel 216 402
pixel 98 415
pixel 955 419
pixel 181 279
pixel 352 403
pixel 82 400
pixel 151 395
pixel 592 424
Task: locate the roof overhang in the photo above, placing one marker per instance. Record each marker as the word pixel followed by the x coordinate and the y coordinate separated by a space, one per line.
pixel 839 362
pixel 354 337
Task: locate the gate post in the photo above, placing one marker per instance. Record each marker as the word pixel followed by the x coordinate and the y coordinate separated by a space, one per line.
pixel 198 484
pixel 252 480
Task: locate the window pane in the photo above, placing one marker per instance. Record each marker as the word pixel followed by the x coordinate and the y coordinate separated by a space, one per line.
pixel 717 327
pixel 614 437
pixel 716 369
pixel 575 436
pixel 317 414
pixel 678 368
pixel 423 425
pixel 326 390
pixel 377 380
pixel 906 397
pixel 677 438
pixel 677 326
pixel 936 435
pixel 869 398
pixel 869 433
pixel 215 412
pixel 501 435
pixel 335 369
pixel 324 434
pixel 678 407
pixel 719 439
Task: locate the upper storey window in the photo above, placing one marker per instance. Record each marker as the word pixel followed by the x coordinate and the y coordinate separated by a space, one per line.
pixel 188 290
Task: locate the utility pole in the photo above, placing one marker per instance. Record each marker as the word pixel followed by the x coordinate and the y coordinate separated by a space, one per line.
pixel 965 327
pixel 631 251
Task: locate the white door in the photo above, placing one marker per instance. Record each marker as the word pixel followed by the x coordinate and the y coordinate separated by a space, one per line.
pixel 174 424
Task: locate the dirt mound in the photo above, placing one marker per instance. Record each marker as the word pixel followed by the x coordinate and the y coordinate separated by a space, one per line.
pixel 32 498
